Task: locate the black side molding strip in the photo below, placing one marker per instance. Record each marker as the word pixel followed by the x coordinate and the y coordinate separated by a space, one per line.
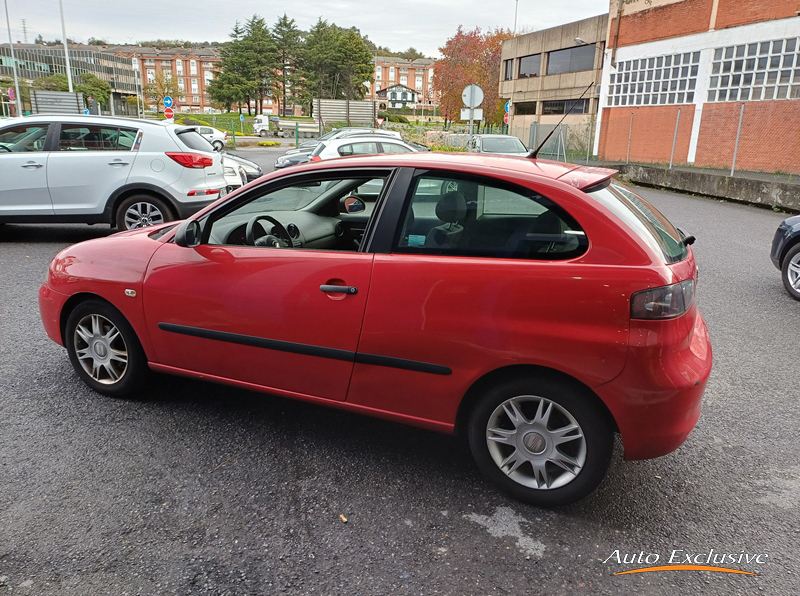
pixel 305 349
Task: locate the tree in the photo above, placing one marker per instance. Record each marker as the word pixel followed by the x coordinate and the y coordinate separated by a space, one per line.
pixel 160 88
pixel 355 66
pixel 56 82
pixel 288 40
pixel 97 88
pixel 93 41
pixel 471 57
pixel 318 62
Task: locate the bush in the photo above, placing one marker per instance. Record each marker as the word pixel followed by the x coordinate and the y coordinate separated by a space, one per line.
pixel 392 117
pixel 448 148
pixel 269 143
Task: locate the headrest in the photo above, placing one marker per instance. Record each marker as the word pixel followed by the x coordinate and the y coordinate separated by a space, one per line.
pixel 452 207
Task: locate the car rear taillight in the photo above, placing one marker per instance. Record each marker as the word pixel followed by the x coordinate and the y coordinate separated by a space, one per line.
pixel 666 302
pixel 191 160
pixel 316 158
pixel 202 192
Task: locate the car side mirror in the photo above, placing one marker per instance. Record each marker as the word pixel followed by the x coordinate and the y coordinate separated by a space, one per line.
pixel 188 234
pixel 352 204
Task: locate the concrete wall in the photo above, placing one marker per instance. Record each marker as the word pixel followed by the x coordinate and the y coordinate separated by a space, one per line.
pixel 744 190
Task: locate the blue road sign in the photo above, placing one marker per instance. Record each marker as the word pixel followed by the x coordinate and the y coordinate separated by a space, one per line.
pixel 508 106
pixel 168 102
pixel 241 117
pixel 85 111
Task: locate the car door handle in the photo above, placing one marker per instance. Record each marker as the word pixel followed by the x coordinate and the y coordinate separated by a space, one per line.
pixel 118 163
pixel 338 289
pixel 31 165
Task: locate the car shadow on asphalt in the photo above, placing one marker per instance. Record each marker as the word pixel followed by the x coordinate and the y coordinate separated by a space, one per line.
pixel 64 234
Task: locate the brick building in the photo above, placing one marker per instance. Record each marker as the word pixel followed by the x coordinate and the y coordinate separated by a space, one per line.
pixel 684 80
pixel 417 75
pixel 193 69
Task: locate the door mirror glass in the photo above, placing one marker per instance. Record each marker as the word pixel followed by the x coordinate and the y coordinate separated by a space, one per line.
pixel 353 204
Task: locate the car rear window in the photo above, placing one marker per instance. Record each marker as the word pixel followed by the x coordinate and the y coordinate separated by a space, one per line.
pixel 318 149
pixel 644 219
pixel 192 139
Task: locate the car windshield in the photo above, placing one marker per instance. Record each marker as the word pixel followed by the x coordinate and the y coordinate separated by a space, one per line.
pixel 644 219
pixel 289 198
pixel 503 145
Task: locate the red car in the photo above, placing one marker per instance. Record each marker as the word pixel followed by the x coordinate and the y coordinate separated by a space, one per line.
pixel 538 307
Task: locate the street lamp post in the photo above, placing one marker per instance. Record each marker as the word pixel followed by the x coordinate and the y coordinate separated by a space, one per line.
pixel 66 46
pixel 13 63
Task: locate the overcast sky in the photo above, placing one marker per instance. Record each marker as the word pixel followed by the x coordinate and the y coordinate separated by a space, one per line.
pixel 423 24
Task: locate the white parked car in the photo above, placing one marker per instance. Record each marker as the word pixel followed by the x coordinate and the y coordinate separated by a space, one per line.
pixel 122 171
pixel 235 176
pixel 217 138
pixel 360 145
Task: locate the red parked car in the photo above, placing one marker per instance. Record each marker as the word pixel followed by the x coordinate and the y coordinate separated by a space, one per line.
pixel 538 307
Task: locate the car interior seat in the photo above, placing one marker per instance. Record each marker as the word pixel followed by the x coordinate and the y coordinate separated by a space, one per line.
pixel 451 209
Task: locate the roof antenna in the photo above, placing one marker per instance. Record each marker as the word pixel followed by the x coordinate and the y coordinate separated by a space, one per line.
pixel 535 152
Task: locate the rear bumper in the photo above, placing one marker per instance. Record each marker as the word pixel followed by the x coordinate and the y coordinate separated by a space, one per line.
pixel 657 399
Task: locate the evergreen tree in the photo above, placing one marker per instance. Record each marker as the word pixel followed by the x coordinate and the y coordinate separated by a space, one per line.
pixel 288 39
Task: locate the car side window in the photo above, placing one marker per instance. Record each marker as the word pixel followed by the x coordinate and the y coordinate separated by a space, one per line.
pixel 358 149
pixel 325 214
pixel 394 148
pixel 204 130
pixel 82 137
pixel 486 218
pixel 24 137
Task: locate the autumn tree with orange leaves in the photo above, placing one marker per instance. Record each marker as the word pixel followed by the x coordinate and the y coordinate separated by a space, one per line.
pixel 471 57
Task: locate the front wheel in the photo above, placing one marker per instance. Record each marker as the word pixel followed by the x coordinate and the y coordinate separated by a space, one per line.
pixel 104 349
pixel 138 211
pixel 790 272
pixel 543 441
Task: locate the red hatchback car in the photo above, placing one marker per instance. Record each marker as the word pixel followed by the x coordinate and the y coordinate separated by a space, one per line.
pixel 538 307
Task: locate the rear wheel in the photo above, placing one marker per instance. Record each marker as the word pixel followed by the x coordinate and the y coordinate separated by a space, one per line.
pixel 104 349
pixel 790 272
pixel 543 441
pixel 138 211
pixel 218 145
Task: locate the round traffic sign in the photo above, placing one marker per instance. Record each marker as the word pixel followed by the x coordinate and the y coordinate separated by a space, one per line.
pixel 505 117
pixel 241 117
pixel 472 96
pixel 168 101
pixel 85 111
pixel 508 106
pixel 168 113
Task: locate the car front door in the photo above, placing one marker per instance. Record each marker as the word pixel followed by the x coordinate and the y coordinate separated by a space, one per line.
pixel 23 171
pixel 287 318
pixel 89 164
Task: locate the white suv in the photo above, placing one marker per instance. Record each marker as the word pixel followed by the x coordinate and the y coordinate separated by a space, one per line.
pixel 125 172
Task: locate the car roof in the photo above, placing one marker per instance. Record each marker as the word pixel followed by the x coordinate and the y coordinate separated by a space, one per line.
pixel 90 119
pixel 364 137
pixel 580 177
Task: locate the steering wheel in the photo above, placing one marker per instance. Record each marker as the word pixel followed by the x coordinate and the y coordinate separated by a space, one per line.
pixel 282 240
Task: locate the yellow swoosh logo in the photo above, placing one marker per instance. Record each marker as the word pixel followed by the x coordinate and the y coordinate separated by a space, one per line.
pixel 685 568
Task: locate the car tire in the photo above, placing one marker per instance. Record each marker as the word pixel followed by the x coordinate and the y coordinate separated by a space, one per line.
pixel 263 133
pixel 790 272
pixel 218 145
pixel 104 350
pixel 142 210
pixel 521 427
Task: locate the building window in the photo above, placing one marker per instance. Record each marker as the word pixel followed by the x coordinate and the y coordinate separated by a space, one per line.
pixel 391 73
pixel 192 67
pixel 167 75
pixel 571 60
pixel 208 65
pixel 756 71
pixel 378 73
pixel 179 67
pixel 151 75
pixel 525 108
pixel 194 86
pixel 181 88
pixel 418 83
pixel 430 74
pixel 571 106
pixel 377 87
pixel 403 80
pixel 195 99
pixel 508 69
pixel 166 63
pixel 659 80
pixel 149 62
pixel 530 66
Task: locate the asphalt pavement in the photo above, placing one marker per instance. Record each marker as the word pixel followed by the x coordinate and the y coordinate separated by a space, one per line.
pixel 202 489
